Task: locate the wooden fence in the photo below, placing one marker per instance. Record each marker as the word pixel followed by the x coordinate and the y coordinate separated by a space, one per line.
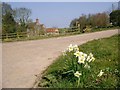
pixel 29 34
pixel 14 35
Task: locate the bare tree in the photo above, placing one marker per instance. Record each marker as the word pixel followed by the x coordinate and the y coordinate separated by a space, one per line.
pixel 100 20
pixel 22 15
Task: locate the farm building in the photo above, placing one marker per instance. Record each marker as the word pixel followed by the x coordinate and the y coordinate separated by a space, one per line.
pixel 36 28
pixel 52 31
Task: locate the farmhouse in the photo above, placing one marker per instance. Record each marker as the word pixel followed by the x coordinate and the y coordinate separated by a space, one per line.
pixel 36 28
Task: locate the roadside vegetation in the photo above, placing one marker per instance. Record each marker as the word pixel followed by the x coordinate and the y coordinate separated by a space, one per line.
pixel 91 65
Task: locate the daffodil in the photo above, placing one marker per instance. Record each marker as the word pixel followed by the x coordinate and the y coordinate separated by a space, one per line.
pixel 90 58
pixel 100 74
pixel 81 53
pixel 85 55
pixel 86 66
pixel 81 59
pixel 91 55
pixel 93 59
pixel 70 47
pixel 64 53
pixel 76 48
pixel 77 74
pixel 77 53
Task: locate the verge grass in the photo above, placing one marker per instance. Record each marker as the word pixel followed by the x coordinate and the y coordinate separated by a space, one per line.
pixel 106 55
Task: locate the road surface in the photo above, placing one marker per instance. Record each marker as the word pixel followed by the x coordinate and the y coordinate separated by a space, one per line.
pixel 22 61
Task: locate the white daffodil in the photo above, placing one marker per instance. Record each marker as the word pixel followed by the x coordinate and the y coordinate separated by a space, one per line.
pixel 100 74
pixel 91 55
pixel 93 59
pixel 77 74
pixel 77 53
pixel 81 53
pixel 85 55
pixel 81 59
pixel 70 48
pixel 64 53
pixel 86 66
pixel 90 58
pixel 76 48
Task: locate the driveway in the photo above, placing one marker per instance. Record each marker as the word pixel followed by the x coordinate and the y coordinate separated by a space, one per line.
pixel 22 61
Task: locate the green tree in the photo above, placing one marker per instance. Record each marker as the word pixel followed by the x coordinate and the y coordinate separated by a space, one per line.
pixel 115 17
pixel 6 8
pixel 83 22
pixel 91 20
pixel 73 23
pixel 9 24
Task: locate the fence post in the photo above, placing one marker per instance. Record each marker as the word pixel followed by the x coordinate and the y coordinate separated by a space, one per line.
pixel 18 35
pixel 6 36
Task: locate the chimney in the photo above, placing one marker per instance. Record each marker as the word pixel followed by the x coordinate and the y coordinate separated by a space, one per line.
pixel 37 21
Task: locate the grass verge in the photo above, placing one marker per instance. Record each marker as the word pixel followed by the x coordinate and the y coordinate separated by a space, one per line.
pixel 106 53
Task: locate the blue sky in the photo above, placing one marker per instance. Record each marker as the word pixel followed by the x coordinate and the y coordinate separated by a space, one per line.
pixel 59 14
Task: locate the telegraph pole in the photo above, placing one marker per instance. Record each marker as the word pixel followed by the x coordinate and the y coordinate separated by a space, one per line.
pixel 112 7
pixel 119 5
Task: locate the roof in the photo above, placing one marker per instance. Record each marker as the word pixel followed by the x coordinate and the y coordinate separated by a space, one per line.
pixel 33 24
pixel 51 30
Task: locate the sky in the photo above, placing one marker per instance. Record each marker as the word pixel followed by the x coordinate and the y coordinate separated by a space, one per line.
pixel 60 14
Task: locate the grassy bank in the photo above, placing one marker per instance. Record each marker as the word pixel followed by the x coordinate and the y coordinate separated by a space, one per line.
pixel 105 51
